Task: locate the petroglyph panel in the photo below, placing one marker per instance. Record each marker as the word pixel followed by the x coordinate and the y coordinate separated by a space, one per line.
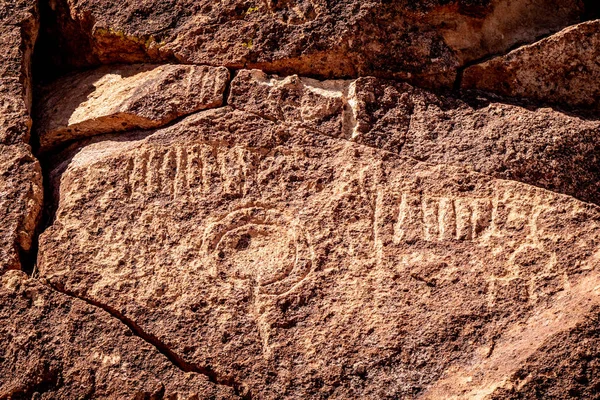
pixel 242 243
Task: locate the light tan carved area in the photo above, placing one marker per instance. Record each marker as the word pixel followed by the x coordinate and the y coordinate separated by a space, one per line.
pixel 202 237
pixel 260 245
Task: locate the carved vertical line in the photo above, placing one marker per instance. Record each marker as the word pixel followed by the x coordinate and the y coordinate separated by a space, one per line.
pixel 208 157
pixel 154 171
pixel 410 219
pixel 194 168
pixel 139 174
pixel 447 219
pixel 169 172
pixel 181 171
pixel 430 210
pixel 463 211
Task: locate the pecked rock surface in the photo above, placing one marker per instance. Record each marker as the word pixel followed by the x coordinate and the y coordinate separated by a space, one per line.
pixel 57 347
pixel 298 265
pixel 562 68
pixel 20 173
pixel 425 42
pixel 564 367
pixel 256 236
pixel 539 146
pixel 111 99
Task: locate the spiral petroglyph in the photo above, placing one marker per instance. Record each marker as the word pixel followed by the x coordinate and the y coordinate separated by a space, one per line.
pixel 260 245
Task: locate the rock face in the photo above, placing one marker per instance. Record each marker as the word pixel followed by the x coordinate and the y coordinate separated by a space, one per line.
pixel 562 68
pixel 245 245
pixel 20 203
pixel 212 230
pixel 542 147
pixel 115 99
pixel 421 41
pixel 55 347
pixel 20 173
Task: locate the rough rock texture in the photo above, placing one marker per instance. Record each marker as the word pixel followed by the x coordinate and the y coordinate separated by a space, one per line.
pixel 283 237
pixel 562 68
pixel 564 367
pixel 20 174
pixel 246 245
pixel 58 347
pixel 21 196
pixel 539 146
pixel 422 41
pixel 112 99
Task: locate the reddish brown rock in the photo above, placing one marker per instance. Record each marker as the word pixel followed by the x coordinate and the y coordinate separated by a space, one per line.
pixel 566 366
pixel 339 239
pixel 538 146
pixel 20 173
pixel 113 99
pixel 21 196
pixel 303 266
pixel 18 29
pixel 55 346
pixel 562 68
pixel 422 41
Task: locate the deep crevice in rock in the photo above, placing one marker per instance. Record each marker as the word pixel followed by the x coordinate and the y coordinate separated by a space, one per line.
pixel 227 91
pixel 592 9
pixel 28 258
pixel 173 357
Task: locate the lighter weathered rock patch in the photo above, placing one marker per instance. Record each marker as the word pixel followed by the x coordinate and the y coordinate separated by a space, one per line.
pixel 561 69
pixel 113 99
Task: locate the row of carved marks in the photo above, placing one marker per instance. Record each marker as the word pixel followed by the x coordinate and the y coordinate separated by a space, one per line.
pixel 433 218
pixel 500 231
pixel 179 171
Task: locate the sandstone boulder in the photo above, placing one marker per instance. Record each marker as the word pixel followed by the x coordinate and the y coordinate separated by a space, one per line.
pixel 562 68
pixel 58 347
pixel 299 265
pixel 112 99
pixel 539 146
pixel 424 41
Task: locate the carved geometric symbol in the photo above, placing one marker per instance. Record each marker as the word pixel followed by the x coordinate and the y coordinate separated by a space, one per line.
pixel 259 245
pixel 442 218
